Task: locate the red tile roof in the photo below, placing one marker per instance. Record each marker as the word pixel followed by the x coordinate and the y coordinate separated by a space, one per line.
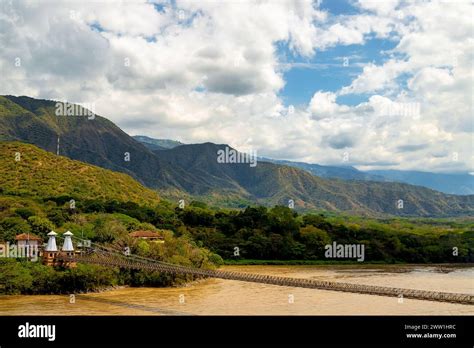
pixel 27 236
pixel 145 234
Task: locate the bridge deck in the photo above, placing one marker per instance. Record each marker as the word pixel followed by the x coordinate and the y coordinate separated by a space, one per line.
pixel 282 281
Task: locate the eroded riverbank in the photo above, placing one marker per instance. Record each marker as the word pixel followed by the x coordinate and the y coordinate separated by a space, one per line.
pixel 227 297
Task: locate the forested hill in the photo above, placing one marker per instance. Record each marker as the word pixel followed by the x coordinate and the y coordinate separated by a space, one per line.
pixel 194 170
pixel 273 184
pixel 29 171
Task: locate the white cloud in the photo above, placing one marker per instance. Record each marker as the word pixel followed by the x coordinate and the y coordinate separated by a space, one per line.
pixel 215 74
pixel 375 78
pixel 128 18
pixel 323 105
pixel 380 7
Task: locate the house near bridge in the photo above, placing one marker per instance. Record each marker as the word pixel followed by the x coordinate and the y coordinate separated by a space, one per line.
pixel 28 244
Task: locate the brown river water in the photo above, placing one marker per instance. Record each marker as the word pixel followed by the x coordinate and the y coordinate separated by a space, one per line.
pixel 228 297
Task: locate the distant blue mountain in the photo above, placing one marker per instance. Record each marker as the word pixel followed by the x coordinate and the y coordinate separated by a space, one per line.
pixel 460 184
pixel 157 144
pixel 346 172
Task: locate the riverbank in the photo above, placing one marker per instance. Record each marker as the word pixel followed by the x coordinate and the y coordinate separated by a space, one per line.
pixel 20 277
pixel 228 297
pixel 249 262
pixel 252 262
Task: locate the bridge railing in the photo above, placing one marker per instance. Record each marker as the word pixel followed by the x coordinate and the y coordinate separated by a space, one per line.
pixel 113 258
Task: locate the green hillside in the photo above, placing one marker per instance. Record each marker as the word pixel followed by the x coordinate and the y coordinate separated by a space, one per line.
pixel 95 140
pixel 39 173
pixel 193 170
pixel 271 184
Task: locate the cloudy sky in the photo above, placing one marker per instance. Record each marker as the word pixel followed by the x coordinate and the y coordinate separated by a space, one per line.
pixel 375 84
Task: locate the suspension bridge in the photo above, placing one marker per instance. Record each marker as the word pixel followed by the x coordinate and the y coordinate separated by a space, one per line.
pixel 106 256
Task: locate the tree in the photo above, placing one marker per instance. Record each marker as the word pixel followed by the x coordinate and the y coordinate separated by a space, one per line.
pixel 198 204
pixel 40 226
pixel 24 213
pixel 315 240
pixel 283 220
pixel 108 230
pixel 11 226
pixel 15 278
pixel 257 246
pixel 318 221
pixel 276 245
pixel 198 217
pixel 58 216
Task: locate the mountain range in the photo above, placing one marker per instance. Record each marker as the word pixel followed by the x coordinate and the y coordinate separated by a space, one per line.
pixel 193 169
pixel 157 144
pixel 460 184
pixel 452 183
